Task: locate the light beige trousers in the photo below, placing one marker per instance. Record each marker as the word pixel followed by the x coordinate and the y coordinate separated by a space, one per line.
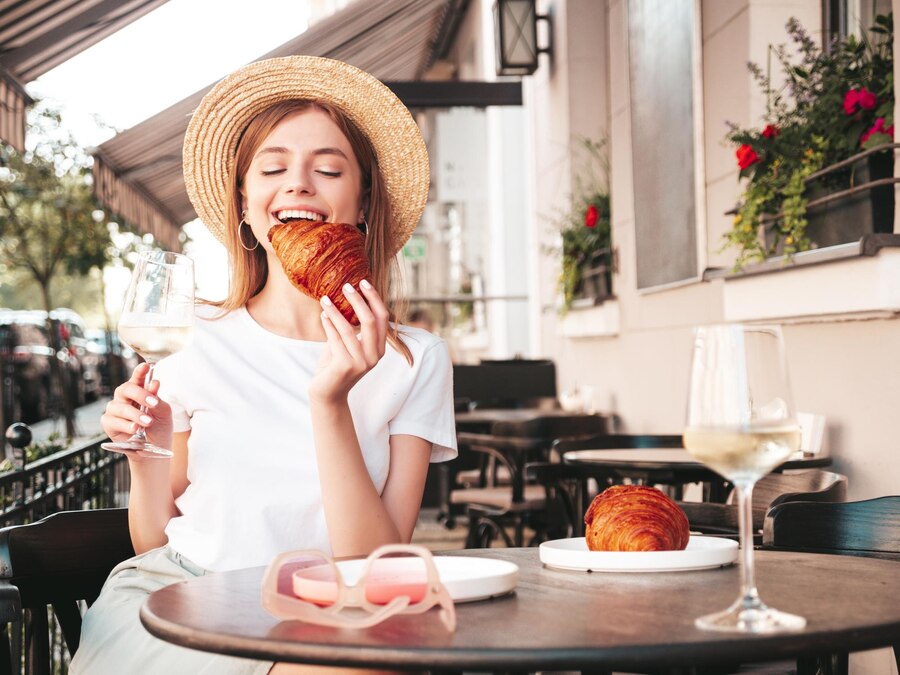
pixel 114 642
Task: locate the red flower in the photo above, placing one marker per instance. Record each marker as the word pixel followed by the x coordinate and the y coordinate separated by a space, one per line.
pixel 877 128
pixel 746 156
pixel 867 100
pixel 863 98
pixel 771 131
pixel 591 216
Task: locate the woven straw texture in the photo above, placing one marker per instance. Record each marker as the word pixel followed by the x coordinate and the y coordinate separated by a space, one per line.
pixel 216 125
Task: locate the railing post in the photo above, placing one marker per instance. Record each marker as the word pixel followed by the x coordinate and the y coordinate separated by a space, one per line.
pixel 19 437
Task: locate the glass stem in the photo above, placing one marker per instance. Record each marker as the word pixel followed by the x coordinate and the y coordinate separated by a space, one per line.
pixel 141 434
pixel 749 594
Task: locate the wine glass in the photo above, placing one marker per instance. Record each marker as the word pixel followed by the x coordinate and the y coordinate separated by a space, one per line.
pixel 741 423
pixel 157 320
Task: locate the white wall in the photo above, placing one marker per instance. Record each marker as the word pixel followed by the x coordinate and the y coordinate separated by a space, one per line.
pixel 845 369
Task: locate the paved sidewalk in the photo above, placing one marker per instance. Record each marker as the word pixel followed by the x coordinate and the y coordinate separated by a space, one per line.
pixel 87 424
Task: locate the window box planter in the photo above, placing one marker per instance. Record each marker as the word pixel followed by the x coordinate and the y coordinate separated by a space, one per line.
pixel 846 201
pixel 596 280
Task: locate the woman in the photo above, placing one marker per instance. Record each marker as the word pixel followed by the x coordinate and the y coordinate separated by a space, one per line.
pixel 290 428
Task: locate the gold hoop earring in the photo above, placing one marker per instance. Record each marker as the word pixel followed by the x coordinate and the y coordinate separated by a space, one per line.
pixel 240 234
pixel 363 226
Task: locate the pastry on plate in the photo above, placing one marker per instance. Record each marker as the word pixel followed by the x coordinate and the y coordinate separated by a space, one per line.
pixel 635 518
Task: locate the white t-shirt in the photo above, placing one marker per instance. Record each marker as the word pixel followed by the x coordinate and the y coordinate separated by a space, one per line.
pixel 242 393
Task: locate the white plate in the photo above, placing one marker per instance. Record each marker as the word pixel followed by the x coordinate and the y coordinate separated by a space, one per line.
pixel 466 578
pixel 701 553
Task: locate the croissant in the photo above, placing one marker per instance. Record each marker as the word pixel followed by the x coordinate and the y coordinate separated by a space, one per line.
pixel 319 258
pixel 635 518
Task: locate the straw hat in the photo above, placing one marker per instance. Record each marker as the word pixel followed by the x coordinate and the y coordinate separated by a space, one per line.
pixel 224 113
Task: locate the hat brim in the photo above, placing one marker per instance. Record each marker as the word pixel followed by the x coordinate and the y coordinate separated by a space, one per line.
pixel 224 113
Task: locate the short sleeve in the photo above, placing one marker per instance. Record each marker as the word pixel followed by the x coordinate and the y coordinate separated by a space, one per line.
pixel 168 375
pixel 428 409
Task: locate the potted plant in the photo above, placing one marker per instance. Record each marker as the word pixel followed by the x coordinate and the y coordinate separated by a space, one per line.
pixel 585 230
pixel 819 137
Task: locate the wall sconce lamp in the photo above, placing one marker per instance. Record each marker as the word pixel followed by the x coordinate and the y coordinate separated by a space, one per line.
pixel 515 36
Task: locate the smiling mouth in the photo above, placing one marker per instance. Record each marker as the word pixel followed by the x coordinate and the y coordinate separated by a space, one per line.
pixel 293 215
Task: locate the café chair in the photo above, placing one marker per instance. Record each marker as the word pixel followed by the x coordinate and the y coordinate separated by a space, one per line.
pixel 61 562
pixel 811 485
pixel 563 513
pixel 505 384
pixel 869 528
pixel 494 509
pixel 513 383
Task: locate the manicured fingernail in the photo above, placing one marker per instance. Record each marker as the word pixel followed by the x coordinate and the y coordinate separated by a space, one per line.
pixel 365 284
pixel 326 301
pixel 152 401
pixel 146 419
pixel 348 289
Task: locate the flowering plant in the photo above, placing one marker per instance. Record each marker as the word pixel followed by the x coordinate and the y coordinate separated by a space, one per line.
pixel 834 104
pixel 585 228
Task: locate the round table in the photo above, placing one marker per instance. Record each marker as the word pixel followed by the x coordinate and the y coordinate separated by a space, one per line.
pixel 665 466
pixel 558 619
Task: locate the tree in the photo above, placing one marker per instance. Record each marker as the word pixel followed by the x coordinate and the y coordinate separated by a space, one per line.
pixel 46 223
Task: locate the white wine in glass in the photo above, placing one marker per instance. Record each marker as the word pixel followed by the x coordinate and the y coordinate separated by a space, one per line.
pixel 157 320
pixel 741 423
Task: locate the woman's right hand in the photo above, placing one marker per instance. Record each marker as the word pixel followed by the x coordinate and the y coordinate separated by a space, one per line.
pixel 123 415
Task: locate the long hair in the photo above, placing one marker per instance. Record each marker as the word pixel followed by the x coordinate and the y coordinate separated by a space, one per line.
pixel 249 269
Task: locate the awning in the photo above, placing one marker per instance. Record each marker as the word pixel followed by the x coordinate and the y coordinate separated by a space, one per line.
pixel 38 35
pixel 138 172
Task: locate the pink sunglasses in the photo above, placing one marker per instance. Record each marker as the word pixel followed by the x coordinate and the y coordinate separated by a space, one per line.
pixel 395 579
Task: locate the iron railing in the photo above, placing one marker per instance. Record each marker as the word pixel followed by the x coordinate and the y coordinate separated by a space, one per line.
pixel 83 477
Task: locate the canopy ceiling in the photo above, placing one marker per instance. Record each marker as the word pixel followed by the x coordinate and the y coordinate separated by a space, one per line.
pixel 38 35
pixel 137 173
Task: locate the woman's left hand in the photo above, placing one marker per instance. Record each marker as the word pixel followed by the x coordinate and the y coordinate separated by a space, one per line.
pixel 350 353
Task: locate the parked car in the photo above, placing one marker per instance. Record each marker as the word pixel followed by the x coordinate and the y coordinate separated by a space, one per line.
pixel 85 370
pixel 116 360
pixel 26 353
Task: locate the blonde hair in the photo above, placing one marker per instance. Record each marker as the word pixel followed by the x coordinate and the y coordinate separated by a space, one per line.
pixel 249 269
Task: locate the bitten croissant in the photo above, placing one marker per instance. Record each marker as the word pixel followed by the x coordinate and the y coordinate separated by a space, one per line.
pixel 635 518
pixel 319 258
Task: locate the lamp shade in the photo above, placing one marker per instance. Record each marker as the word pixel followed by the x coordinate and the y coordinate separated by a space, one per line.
pixel 515 38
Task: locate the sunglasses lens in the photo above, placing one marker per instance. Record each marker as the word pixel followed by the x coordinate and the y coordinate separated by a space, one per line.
pixel 394 576
pixel 313 579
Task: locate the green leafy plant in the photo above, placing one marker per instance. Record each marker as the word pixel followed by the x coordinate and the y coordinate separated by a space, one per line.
pixel 834 104
pixel 38 450
pixel 585 228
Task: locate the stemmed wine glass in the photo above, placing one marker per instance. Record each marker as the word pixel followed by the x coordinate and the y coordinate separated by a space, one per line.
pixel 741 423
pixel 157 320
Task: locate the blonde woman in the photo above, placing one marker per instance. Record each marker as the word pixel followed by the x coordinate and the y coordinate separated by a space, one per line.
pixel 290 427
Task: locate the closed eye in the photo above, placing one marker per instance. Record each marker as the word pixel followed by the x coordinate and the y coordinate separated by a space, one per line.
pixel 272 172
pixel 330 174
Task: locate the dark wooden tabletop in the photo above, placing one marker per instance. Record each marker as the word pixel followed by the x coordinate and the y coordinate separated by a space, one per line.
pixel 668 459
pixel 558 619
pixel 481 420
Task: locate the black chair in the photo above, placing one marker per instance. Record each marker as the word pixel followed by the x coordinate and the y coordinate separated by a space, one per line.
pixel 493 509
pixel 809 485
pixel 59 561
pixel 515 383
pixel 574 484
pixel 868 528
